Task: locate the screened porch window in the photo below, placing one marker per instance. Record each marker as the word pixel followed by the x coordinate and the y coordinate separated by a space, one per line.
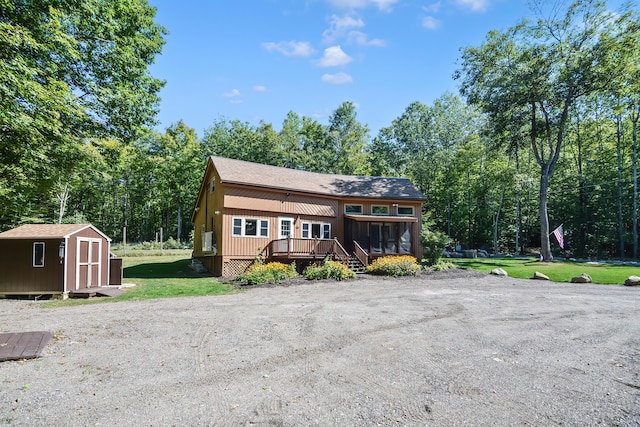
pixel 405 210
pixel 353 209
pixel 379 210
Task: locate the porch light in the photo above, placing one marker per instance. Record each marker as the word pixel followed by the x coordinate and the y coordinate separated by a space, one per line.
pixel 61 251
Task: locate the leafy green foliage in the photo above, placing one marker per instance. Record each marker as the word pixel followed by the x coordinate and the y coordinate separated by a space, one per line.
pixel 402 265
pixel 273 272
pixel 69 71
pixel 434 243
pixel 328 270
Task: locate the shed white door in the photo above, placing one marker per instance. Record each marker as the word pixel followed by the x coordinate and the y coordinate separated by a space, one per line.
pixel 88 266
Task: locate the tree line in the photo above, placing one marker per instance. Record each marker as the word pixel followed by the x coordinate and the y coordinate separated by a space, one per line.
pixel 544 132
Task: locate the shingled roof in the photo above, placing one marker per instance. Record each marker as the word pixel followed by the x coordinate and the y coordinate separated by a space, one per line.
pixel 273 177
pixel 45 231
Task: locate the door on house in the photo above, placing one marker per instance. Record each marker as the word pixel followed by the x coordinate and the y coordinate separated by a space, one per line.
pixel 88 269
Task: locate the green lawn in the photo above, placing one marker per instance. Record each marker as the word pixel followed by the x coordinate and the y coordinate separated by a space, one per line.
pixel 558 271
pixel 165 276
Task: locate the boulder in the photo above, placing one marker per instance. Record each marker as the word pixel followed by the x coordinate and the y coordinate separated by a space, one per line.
pixel 583 278
pixel 632 281
pixel 499 272
pixel 539 276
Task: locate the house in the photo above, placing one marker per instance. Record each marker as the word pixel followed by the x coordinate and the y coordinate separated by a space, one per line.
pixel 245 210
pixel 53 259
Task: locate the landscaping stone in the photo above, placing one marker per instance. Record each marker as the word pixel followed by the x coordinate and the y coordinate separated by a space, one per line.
pixel 539 276
pixel 632 281
pixel 583 278
pixel 499 272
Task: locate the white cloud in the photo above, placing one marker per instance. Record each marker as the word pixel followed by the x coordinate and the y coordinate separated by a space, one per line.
pixel 430 23
pixel 362 39
pixel 340 27
pixel 233 94
pixel 475 5
pixel 290 48
pixel 433 8
pixel 334 56
pixel 259 88
pixel 384 5
pixel 337 79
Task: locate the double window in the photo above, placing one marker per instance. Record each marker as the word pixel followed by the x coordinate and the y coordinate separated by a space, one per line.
pixel 314 230
pixel 250 227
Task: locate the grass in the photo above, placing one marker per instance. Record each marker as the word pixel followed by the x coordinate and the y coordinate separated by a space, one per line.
pixel 558 271
pixel 155 277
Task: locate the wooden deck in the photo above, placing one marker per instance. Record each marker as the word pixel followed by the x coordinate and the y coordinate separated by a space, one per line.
pixel 23 345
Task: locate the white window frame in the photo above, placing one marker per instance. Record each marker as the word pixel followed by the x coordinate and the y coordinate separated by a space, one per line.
pixel 307 230
pixel 380 206
pixel 262 227
pixel 291 230
pixel 413 210
pixel 353 205
pixel 33 256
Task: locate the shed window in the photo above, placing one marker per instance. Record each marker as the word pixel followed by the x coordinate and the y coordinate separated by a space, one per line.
pixel 38 254
pixel 250 227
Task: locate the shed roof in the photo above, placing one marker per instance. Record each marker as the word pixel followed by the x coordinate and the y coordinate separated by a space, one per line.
pixel 46 231
pixel 266 176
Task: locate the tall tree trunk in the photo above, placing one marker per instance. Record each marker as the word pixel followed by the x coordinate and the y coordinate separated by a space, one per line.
pixel 636 116
pixel 619 151
pixel 545 243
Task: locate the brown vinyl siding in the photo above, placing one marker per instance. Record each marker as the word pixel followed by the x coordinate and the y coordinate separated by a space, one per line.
pixel 19 275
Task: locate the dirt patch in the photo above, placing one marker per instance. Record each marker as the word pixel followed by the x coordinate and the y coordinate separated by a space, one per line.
pixel 444 348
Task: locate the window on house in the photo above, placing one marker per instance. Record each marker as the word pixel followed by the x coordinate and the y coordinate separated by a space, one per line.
pixel 316 230
pixel 237 226
pixel 379 210
pixel 38 254
pixel 353 209
pixel 285 228
pixel 405 210
pixel 250 227
pixel 264 228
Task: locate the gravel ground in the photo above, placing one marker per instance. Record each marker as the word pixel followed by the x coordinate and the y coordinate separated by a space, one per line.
pixel 443 349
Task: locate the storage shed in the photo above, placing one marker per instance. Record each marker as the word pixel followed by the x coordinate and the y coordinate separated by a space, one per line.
pixel 40 259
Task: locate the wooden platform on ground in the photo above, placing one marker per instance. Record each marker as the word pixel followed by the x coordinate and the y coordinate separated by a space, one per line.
pixel 23 345
pixel 93 292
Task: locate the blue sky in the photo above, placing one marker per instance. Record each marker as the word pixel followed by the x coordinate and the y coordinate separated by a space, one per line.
pixel 258 60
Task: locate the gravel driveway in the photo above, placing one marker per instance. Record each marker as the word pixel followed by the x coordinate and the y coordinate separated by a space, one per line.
pixel 443 349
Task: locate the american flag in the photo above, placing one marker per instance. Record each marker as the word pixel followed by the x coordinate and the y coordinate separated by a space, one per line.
pixel 559 236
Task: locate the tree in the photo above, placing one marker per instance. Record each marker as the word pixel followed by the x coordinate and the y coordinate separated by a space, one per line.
pixel 349 140
pixel 69 71
pixel 544 67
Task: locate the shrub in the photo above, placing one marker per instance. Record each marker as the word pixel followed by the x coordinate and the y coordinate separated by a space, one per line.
pixel 328 270
pixel 433 243
pixel 442 265
pixel 403 265
pixel 273 272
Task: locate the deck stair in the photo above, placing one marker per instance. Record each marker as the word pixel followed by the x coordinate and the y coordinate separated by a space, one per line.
pixel 356 265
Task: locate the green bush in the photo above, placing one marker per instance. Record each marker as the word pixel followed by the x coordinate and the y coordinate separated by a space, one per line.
pixel 403 265
pixel 328 270
pixel 273 272
pixel 433 243
pixel 442 265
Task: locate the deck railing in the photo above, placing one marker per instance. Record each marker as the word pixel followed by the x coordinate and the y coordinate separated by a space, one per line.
pixel 361 254
pixel 306 248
